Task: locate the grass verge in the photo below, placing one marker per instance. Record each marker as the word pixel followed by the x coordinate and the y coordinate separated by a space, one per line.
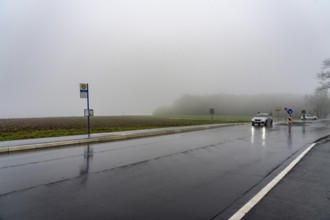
pixel 16 129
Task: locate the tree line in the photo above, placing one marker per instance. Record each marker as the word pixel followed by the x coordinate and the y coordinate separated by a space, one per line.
pixel 317 103
pixel 226 104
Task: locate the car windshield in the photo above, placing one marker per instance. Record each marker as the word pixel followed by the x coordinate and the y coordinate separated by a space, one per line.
pixel 262 115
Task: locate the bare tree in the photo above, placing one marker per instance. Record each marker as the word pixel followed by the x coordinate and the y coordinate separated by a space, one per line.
pixel 324 76
pixel 319 103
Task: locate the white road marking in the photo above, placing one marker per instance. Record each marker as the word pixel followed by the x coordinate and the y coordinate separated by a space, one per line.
pixel 250 204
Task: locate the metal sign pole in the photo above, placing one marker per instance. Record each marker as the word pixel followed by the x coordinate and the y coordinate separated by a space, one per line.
pixel 88 116
pixel 84 94
pixel 278 109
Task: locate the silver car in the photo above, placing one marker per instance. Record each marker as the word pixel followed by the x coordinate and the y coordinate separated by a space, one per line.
pixel 262 119
pixel 309 117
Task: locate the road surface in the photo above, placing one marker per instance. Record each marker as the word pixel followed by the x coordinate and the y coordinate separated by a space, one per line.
pixel 304 193
pixel 196 175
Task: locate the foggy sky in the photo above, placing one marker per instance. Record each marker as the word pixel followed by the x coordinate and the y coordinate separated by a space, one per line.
pixel 138 55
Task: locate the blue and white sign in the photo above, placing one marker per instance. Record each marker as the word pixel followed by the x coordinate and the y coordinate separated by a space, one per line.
pixel 83 90
pixel 289 111
pixel 88 112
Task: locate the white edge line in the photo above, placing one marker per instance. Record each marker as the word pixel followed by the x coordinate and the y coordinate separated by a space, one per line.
pixel 250 204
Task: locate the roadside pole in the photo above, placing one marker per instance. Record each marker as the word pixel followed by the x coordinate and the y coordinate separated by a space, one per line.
pixel 289 120
pixel 278 109
pixel 304 114
pixel 289 111
pixel 88 116
pixel 84 93
pixel 211 111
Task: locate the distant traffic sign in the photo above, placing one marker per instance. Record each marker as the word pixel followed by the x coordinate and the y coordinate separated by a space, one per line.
pixel 289 111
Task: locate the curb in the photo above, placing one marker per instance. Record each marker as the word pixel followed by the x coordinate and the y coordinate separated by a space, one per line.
pixel 110 138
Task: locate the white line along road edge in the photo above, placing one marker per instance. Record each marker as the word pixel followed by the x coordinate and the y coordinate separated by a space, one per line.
pixel 250 204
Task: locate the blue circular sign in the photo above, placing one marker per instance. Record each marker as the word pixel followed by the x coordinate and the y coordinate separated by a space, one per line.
pixel 289 111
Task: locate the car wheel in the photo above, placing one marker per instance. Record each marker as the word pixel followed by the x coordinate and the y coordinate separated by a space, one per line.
pixel 252 123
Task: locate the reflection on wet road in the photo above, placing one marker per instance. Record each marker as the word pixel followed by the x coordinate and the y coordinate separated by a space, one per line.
pixel 182 176
pixel 258 132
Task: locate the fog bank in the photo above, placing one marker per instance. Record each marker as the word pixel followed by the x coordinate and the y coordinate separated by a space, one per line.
pixel 227 104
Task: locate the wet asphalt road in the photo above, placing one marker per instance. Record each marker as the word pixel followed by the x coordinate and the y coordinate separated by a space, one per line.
pixel 304 193
pixel 194 175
